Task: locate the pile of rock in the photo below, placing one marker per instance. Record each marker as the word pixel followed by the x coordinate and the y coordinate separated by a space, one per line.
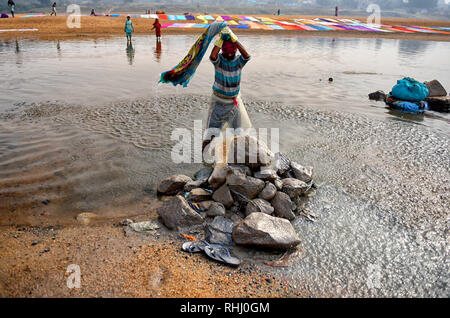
pixel 248 204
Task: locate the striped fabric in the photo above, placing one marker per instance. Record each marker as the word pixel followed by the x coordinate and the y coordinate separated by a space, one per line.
pixel 228 75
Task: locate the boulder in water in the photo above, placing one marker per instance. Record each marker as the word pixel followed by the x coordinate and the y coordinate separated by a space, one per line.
pixel 173 184
pixel 294 187
pixel 223 196
pixel 176 214
pixel 282 205
pixel 258 205
pixel 199 194
pixel 265 231
pixel 268 192
pixel 250 187
pixel 302 173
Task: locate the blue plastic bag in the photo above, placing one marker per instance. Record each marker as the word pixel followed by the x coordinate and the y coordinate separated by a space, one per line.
pixel 409 89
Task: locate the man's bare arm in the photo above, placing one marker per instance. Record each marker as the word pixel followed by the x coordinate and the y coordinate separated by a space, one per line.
pixel 242 49
pixel 214 53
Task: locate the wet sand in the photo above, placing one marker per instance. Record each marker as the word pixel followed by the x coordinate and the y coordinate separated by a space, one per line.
pixel 56 28
pixel 115 265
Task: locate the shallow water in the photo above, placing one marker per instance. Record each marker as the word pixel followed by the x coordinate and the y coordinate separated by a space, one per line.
pixel 284 69
pixel 84 125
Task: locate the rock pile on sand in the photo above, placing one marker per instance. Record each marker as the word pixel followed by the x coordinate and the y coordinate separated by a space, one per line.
pixel 250 203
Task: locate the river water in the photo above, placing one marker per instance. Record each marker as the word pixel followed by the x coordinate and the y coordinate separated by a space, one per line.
pixel 84 125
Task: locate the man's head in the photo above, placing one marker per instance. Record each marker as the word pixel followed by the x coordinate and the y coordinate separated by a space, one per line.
pixel 229 49
pixel 128 17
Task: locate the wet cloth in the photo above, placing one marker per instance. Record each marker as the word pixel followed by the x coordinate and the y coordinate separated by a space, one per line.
pixel 226 113
pixel 409 89
pixel 227 78
pixel 182 73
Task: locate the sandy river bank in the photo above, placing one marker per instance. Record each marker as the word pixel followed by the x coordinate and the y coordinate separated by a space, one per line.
pixel 56 28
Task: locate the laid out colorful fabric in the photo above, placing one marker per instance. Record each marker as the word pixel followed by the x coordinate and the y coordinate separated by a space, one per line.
pixel 182 73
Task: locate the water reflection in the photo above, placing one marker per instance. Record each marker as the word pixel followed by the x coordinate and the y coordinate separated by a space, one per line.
pixel 130 53
pixel 403 116
pixel 18 51
pixel 158 50
pixel 406 48
pixel 58 49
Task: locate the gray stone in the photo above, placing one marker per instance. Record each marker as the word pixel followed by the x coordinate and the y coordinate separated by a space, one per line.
pixel 216 209
pixel 193 185
pixel 302 173
pixel 220 231
pixel 278 184
pixel 262 230
pixel 203 174
pixel 240 169
pixel 266 174
pixel 282 205
pixel 146 226
pixel 441 104
pixel 435 89
pixel 176 213
pixel 294 187
pixel 218 176
pixel 249 151
pixel 248 186
pixel 223 196
pixel 204 205
pixel 268 192
pixel 281 163
pixel 378 96
pixel 199 194
pixel 173 184
pixel 258 205
pixel 236 218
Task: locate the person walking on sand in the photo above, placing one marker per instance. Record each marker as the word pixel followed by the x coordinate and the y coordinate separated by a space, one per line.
pixel 336 11
pixel 157 27
pixel 226 106
pixel 53 9
pixel 12 7
pixel 129 28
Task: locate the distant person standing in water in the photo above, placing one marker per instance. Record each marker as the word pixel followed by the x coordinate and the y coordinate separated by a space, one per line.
pixel 157 27
pixel 12 7
pixel 53 9
pixel 279 12
pixel 129 28
pixel 336 11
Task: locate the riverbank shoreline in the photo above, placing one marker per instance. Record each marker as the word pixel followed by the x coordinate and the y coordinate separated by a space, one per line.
pixel 117 263
pixel 51 28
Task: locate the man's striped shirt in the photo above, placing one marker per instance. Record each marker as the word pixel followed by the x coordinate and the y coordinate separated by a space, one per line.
pixel 228 75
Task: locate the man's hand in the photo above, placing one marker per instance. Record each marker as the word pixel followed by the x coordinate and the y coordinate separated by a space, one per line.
pixel 227 30
pixel 219 41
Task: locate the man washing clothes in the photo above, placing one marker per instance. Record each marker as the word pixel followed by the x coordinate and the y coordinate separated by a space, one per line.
pixel 226 107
